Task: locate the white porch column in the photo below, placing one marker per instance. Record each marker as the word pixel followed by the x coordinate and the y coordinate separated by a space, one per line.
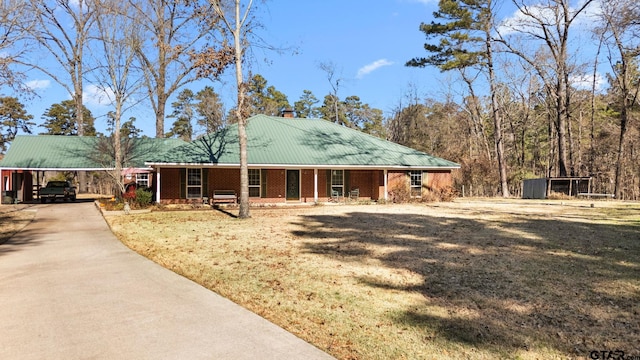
pixel 315 185
pixel 158 186
pixel 386 184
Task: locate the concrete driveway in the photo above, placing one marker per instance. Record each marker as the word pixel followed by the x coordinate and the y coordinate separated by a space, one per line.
pixel 70 290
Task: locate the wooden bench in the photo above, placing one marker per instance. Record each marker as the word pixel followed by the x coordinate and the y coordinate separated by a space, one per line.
pixel 224 196
pixel 590 195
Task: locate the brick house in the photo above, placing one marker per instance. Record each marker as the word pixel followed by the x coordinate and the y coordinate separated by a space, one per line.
pixel 293 160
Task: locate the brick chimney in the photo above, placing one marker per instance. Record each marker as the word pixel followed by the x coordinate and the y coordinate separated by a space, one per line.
pixel 287 113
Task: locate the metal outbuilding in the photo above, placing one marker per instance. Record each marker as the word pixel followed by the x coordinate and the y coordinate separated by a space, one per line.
pixel 543 187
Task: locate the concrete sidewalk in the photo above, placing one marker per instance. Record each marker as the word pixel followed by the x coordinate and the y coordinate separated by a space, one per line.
pixel 70 290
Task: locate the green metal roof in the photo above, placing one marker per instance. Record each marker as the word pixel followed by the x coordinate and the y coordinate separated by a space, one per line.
pixel 56 152
pixel 279 141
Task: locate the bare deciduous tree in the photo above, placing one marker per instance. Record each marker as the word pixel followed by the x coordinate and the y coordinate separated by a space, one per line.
pixel 62 28
pixel 170 31
pixel 14 29
pixel 117 41
pixel 549 23
pixel 620 28
pixel 330 69
pixel 236 23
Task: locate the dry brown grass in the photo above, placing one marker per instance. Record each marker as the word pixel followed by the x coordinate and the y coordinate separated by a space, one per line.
pixel 463 280
pixel 13 218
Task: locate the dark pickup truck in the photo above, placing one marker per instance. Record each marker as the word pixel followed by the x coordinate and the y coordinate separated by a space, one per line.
pixel 58 190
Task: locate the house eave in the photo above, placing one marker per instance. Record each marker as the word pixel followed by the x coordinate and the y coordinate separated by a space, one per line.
pixel 13 168
pixel 301 166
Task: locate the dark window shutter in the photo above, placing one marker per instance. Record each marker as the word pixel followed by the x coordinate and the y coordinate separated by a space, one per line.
pixel 183 183
pixel 347 181
pixel 328 183
pixel 263 183
pixel 205 182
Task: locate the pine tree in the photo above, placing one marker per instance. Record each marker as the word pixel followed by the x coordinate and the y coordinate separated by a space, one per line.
pixel 305 107
pixel 61 119
pixel 184 113
pixel 210 110
pixel 13 119
pixel 464 41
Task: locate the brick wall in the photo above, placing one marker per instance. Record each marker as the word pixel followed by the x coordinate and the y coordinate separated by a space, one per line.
pixel 436 180
pixel 322 184
pixel 398 179
pixel 379 189
pixel 306 185
pixel 170 185
pixel 366 181
pixel 370 183
pixel 275 185
pixel 224 179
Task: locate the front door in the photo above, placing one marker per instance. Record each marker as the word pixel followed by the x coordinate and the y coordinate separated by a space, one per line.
pixel 293 184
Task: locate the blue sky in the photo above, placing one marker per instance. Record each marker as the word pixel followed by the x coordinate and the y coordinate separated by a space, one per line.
pixel 368 42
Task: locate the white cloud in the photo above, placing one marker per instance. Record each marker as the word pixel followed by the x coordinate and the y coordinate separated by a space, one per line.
pixel 38 84
pixel 519 22
pixel 94 95
pixel 525 23
pixel 591 14
pixel 585 81
pixel 372 67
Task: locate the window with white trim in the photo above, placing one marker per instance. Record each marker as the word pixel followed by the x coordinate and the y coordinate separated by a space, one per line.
pixel 416 183
pixel 254 182
pixel 337 181
pixel 142 179
pixel 194 183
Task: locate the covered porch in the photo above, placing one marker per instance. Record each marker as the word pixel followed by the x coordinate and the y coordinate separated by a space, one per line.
pixel 301 184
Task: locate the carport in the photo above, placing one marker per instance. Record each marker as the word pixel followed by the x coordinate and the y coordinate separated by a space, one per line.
pixel 22 171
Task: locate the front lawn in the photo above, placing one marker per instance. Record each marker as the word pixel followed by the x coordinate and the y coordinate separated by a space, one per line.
pixel 479 279
pixel 13 218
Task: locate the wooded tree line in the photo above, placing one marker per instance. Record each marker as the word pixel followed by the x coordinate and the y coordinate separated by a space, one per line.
pixel 530 107
pixel 544 113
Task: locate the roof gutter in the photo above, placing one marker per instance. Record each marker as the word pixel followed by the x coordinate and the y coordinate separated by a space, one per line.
pixel 70 169
pixel 301 166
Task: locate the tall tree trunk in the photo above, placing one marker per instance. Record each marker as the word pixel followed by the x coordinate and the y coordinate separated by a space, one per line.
pixel 161 96
pixel 77 97
pixel 77 84
pixel 117 146
pixel 495 111
pixel 567 112
pixel 551 157
pixel 561 126
pixel 242 118
pixel 621 147
pixel 594 82
pixel 476 116
pixel 162 101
